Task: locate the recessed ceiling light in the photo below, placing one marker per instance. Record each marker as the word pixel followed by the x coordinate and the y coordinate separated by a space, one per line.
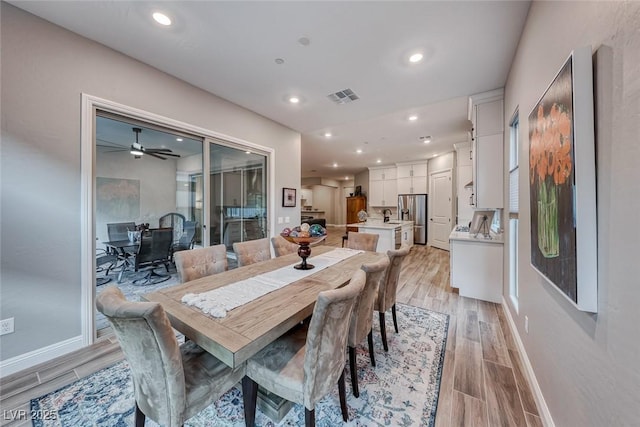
pixel 327 134
pixel 294 99
pixel 413 118
pixel 304 41
pixel 416 57
pixel 358 151
pixel 248 152
pixel 161 18
pixel 335 165
pixel 346 177
pixel 279 61
pixel 435 155
pixel 426 139
pixel 179 139
pixel 378 161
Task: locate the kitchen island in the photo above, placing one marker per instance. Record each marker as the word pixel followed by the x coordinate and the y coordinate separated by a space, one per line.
pixel 392 234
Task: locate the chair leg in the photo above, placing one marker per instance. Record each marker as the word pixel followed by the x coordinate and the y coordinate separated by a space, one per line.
pixel 395 320
pixel 370 341
pixel 140 417
pixel 383 332
pixel 354 371
pixel 343 398
pixel 309 418
pixel 249 397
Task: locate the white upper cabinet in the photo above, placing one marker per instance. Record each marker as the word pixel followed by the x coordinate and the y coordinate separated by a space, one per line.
pixel 486 113
pixel 412 178
pixel 383 186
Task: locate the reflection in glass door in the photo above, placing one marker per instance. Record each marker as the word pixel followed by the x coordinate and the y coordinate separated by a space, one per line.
pixel 238 201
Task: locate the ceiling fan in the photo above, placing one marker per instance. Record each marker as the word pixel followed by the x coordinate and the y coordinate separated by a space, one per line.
pixel 138 150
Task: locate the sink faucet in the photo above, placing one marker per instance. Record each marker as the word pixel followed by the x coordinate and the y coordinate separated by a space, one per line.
pixel 386 214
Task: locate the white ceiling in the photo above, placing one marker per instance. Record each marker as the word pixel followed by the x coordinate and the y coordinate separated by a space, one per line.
pixel 229 49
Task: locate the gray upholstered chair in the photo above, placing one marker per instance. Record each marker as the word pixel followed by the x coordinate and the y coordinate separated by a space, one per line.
pixel 171 383
pixel 282 246
pixel 201 262
pixel 304 365
pixel 362 317
pixel 252 251
pixel 386 298
pixel 362 241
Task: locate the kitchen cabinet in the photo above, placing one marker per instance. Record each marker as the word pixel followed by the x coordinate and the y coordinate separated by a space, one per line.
pixel 486 112
pixel 407 234
pixel 412 178
pixel 476 266
pixel 383 189
pixel 355 204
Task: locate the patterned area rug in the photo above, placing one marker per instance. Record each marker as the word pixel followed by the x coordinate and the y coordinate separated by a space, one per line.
pixel 402 390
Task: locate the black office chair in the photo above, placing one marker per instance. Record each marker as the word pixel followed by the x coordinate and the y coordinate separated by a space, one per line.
pixel 154 250
pixel 188 237
pixel 173 220
pixel 118 230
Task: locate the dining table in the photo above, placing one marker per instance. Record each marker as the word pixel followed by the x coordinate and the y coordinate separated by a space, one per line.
pixel 247 329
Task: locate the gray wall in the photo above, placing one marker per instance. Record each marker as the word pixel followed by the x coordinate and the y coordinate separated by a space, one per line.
pixel 587 365
pixel 44 71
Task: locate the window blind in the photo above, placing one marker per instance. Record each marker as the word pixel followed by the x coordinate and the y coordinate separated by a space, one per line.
pixel 513 192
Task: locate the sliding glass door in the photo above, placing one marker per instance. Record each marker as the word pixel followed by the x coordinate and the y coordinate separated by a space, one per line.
pixel 238 194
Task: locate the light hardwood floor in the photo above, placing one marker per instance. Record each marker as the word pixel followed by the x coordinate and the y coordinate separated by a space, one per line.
pixel 482 378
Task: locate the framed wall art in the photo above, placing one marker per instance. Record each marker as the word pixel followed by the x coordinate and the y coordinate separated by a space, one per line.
pixel 562 187
pixel 289 197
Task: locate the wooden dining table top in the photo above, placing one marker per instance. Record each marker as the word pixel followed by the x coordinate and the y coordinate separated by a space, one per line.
pixel 250 327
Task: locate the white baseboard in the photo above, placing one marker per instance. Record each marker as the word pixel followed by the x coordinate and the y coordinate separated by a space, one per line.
pixel 545 415
pixel 41 355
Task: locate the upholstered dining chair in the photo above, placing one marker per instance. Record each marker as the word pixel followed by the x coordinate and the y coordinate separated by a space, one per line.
pixel 282 246
pixel 303 365
pixel 171 383
pixel 201 262
pixel 362 317
pixel 252 251
pixel 362 241
pixel 386 298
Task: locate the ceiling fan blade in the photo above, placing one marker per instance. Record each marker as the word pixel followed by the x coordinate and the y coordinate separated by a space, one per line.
pixel 153 150
pixel 167 154
pixel 156 156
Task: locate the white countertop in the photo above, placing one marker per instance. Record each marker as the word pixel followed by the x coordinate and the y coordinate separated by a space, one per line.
pixel 466 236
pixel 391 225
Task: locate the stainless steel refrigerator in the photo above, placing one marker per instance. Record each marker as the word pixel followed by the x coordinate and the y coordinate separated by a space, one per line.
pixel 413 207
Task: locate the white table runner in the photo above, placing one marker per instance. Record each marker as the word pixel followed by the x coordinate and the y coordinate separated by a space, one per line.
pixel 218 301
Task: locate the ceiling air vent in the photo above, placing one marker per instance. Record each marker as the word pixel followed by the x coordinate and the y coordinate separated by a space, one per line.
pixel 343 97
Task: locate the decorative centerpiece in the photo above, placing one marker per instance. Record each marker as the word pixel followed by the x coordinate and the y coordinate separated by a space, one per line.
pixel 304 235
pixel 362 216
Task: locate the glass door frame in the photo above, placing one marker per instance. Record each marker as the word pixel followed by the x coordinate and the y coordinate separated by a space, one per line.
pixel 89 105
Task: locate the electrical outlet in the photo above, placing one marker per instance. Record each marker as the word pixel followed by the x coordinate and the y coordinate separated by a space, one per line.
pixel 6 326
pixel 526 324
pixel 286 220
pixel 279 220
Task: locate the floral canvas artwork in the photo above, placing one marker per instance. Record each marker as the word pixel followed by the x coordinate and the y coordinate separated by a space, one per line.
pixel 551 180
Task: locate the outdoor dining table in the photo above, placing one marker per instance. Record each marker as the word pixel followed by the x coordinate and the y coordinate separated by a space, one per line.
pixel 247 329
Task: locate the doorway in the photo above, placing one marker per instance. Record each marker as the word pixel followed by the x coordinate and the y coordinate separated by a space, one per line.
pixel 165 173
pixel 440 192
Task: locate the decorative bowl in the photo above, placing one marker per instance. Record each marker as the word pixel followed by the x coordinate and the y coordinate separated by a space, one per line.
pixel 305 240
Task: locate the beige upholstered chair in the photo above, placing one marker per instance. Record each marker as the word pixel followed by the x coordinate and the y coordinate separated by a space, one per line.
pixel 304 365
pixel 362 317
pixel 171 383
pixel 362 241
pixel 282 246
pixel 386 298
pixel 196 263
pixel 252 251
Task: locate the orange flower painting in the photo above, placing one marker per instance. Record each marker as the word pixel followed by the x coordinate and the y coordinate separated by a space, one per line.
pixel 551 179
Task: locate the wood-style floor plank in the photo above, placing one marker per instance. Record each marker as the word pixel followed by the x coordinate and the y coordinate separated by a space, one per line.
pixel 468 377
pixel 424 282
pixel 503 402
pixel 493 347
pixel 468 411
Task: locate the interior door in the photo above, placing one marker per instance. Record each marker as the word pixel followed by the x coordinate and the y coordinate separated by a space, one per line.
pixel 440 220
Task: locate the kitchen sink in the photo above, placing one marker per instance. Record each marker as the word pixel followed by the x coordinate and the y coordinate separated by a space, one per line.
pixel 393 222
